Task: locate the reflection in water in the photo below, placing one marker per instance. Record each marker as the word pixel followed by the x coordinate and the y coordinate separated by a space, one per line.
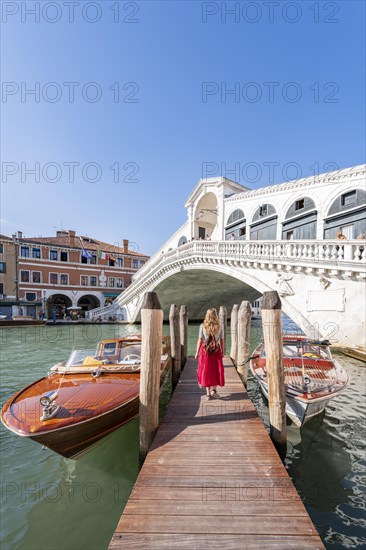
pixel 324 461
pixel 83 502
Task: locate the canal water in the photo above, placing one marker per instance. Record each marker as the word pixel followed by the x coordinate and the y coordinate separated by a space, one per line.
pixel 51 503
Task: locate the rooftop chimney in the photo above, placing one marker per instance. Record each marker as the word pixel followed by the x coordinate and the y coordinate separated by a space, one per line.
pixel 125 245
pixel 71 237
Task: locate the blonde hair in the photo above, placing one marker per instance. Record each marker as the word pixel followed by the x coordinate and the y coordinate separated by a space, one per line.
pixel 211 321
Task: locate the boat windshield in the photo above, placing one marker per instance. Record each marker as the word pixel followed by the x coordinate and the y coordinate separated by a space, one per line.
pixel 89 357
pixel 78 356
pixel 308 350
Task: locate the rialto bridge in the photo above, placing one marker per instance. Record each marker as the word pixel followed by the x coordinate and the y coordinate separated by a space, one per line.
pixel 238 243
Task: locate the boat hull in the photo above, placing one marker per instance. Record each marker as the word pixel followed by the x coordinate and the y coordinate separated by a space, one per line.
pixel 88 409
pixel 297 411
pixel 73 440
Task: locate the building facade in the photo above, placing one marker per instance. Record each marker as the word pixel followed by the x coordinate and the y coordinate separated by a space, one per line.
pixel 54 276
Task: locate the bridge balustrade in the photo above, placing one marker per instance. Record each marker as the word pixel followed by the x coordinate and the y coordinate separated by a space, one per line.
pixel 331 253
pixel 327 251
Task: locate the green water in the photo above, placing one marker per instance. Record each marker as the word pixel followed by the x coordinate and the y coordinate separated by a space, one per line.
pixel 51 503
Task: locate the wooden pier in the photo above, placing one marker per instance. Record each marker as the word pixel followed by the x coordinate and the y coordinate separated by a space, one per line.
pixel 213 479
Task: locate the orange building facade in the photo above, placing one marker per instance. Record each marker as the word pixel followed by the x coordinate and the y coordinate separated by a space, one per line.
pixel 67 274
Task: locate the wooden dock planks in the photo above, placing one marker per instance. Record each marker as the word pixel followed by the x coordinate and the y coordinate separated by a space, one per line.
pixel 213 479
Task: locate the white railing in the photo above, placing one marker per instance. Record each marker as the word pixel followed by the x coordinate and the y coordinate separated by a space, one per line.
pixel 332 254
pixel 102 312
pixel 327 251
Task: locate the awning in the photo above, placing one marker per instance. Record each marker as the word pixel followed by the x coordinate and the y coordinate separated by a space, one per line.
pixel 111 294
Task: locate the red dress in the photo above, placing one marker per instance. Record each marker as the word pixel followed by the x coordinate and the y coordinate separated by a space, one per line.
pixel 210 368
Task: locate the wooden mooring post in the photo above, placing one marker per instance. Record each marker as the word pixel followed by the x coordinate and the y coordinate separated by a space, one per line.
pixel 272 333
pixel 183 324
pixel 223 322
pixel 175 343
pixel 244 318
pixel 151 336
pixel 234 334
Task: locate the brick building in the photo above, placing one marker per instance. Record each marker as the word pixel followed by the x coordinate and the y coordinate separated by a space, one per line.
pixel 67 271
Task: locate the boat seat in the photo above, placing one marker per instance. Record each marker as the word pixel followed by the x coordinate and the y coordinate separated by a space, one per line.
pixel 107 358
pixel 90 360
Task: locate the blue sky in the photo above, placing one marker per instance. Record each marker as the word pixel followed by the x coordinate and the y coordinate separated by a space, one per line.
pixel 295 69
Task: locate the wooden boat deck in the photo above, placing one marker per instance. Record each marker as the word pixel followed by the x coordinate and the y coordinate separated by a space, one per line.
pixel 213 479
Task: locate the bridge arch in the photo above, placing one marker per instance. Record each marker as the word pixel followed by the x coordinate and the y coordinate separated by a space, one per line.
pixel 200 286
pixel 205 216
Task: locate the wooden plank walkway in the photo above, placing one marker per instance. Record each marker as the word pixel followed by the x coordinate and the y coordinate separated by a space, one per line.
pixel 213 479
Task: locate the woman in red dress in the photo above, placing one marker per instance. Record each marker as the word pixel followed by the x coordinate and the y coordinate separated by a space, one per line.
pixel 210 373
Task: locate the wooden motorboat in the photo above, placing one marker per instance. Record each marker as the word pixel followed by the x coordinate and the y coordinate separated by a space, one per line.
pixel 84 399
pixel 312 376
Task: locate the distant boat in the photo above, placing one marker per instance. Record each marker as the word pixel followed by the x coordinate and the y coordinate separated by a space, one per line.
pixel 84 399
pixel 19 320
pixel 312 376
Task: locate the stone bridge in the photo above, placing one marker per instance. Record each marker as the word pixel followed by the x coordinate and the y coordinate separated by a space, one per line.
pixel 321 284
pixel 239 242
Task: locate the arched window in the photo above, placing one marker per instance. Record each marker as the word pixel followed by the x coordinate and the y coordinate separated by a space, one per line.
pixel 347 213
pixel 182 241
pixel 236 225
pixel 235 217
pixel 264 223
pixel 300 221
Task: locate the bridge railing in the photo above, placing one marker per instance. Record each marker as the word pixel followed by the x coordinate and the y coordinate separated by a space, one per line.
pixel 332 251
pixel 101 312
pixel 331 254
